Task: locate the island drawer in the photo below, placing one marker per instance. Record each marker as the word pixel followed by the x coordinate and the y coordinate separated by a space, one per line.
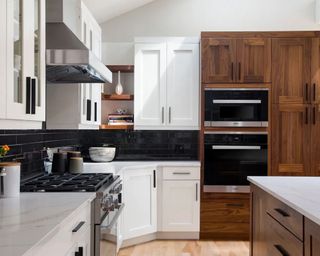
pixel 286 216
pixel 280 241
pixel 181 173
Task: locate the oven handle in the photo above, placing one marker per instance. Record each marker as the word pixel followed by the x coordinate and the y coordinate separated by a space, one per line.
pixel 114 220
pixel 237 147
pixel 237 101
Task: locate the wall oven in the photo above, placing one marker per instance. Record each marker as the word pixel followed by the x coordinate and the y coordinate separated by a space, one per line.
pixel 231 157
pixel 236 107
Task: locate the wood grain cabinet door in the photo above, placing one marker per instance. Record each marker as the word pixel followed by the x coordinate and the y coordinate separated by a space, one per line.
pixel 253 60
pixel 315 112
pixel 218 60
pixel 312 238
pixel 291 70
pixel 290 139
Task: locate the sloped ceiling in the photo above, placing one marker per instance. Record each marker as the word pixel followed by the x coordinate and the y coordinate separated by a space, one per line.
pixel 104 10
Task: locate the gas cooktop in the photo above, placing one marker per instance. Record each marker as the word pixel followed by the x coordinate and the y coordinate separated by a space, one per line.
pixel 85 182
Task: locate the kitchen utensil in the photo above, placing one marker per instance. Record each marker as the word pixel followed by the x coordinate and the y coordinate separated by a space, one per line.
pixel 59 162
pixel 9 179
pixel 102 154
pixel 71 154
pixel 76 165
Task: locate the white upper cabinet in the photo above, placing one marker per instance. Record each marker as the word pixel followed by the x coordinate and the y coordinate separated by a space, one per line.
pixel 150 85
pixel 167 84
pixel 183 85
pixel 24 33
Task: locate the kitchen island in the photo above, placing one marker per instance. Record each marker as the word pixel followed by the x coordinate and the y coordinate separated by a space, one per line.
pixel 34 222
pixel 285 216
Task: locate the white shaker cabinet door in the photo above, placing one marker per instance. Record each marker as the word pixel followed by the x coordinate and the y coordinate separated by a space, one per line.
pixel 140 199
pixel 181 206
pixel 150 85
pixel 183 85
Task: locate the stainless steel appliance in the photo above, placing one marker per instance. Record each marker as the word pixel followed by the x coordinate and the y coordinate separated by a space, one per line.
pixel 106 208
pixel 231 157
pixel 68 59
pixel 236 107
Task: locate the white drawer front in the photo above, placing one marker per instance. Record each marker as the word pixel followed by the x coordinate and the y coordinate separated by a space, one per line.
pixel 181 173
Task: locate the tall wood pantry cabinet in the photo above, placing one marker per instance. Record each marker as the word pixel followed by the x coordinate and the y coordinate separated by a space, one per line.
pixel 166 83
pixel 295 106
pixel 22 64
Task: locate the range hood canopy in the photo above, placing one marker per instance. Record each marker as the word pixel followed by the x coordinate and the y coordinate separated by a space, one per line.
pixel 68 60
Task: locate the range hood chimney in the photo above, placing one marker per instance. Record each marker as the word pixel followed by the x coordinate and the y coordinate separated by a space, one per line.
pixel 68 60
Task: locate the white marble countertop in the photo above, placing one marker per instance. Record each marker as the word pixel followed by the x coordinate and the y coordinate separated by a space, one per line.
pixel 300 193
pixel 25 221
pixel 116 166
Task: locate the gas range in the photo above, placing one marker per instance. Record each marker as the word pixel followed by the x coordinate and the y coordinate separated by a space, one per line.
pixel 106 208
pixel 85 182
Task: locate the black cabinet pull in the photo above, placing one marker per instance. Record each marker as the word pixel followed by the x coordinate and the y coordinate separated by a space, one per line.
pixel 314 92
pixel 28 96
pixel 81 251
pixel 77 228
pixel 231 71
pixel 239 71
pixel 33 96
pixel 197 192
pixel 95 111
pixel 282 212
pixel 88 110
pixel 281 250
pixel 154 179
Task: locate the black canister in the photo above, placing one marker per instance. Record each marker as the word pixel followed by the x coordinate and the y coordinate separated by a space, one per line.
pixel 59 163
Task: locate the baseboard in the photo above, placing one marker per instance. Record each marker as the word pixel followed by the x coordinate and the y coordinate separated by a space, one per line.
pixel 161 236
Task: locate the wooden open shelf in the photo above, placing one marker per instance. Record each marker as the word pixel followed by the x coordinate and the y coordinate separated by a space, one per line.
pixel 117 97
pixel 116 127
pixel 121 68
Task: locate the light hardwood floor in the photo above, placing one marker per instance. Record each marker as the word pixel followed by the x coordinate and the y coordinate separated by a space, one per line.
pixel 188 248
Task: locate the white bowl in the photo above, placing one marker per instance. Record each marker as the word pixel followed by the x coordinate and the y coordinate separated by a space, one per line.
pixel 102 154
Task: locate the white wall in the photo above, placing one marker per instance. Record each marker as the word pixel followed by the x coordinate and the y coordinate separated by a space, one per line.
pixel 189 17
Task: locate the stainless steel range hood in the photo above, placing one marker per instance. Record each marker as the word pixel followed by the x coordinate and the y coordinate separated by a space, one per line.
pixel 68 60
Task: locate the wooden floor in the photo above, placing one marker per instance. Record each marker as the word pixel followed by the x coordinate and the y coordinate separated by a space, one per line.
pixel 188 248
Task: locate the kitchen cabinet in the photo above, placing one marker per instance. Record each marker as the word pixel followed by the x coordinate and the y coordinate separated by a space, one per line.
pixel 24 42
pixel 140 199
pixel 181 200
pixel 78 106
pixel 278 229
pixel 312 238
pixel 164 69
pixel 235 60
pixel 291 70
pixel 225 216
pixel 67 240
pixel 295 110
pixel 315 105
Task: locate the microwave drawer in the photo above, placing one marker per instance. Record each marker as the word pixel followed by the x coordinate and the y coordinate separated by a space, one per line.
pixel 181 173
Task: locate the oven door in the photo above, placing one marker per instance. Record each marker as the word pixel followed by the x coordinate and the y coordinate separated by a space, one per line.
pixel 236 108
pixel 228 166
pixel 109 233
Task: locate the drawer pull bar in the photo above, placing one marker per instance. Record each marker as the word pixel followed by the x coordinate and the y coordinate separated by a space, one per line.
pixel 281 250
pixel 77 228
pixel 282 212
pixel 181 173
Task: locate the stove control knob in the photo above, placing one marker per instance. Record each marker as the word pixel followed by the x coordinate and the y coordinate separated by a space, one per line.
pixel 108 204
pixel 118 189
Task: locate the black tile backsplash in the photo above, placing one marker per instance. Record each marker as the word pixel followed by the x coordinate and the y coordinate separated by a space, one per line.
pixel 28 146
